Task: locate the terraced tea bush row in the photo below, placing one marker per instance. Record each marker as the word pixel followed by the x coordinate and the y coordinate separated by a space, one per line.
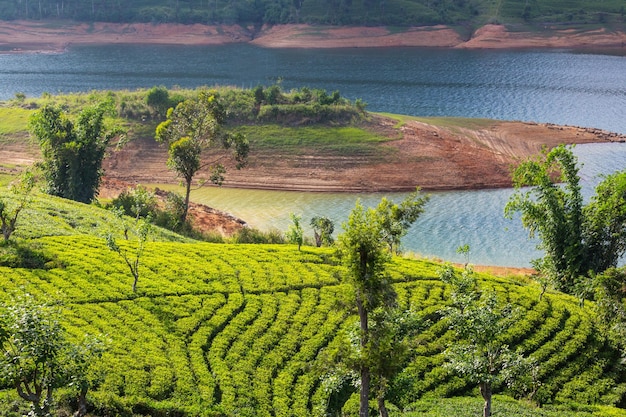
pixel 242 327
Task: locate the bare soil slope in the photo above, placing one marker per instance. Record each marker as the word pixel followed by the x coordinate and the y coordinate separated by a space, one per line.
pixel 418 154
pixel 55 36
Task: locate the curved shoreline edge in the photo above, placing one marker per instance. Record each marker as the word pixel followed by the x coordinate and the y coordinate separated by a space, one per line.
pixel 57 36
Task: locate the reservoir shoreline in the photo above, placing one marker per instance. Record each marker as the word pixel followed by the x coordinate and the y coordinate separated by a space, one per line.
pixel 56 36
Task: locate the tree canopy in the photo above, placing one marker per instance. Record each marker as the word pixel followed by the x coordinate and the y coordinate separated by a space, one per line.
pixel 344 12
pixel 578 240
pixel 73 150
pixel 195 125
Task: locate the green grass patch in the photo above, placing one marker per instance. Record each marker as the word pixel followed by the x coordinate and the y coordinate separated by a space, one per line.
pixel 448 122
pixel 13 120
pixel 343 141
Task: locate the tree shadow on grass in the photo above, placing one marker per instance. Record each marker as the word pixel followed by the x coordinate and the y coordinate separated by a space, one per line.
pixel 27 255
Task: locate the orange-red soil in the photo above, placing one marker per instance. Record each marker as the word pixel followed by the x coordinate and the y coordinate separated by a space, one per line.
pixel 48 36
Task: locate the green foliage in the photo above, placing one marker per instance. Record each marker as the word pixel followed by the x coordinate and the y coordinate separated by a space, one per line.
pixel 364 254
pixel 295 234
pixel 611 304
pixel 37 359
pixel 136 202
pixel 323 229
pixel 604 230
pixel 252 235
pixel 73 153
pixel 577 240
pixel 478 320
pixel 388 12
pixel 193 126
pixel 362 249
pixel 397 218
pixel 158 99
pixel 11 207
pixel 141 230
pixel 238 328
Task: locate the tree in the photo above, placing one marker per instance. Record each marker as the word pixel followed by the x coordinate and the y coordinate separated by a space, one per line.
pixel 479 354
pixel 363 252
pixel 31 360
pixel 158 98
pixel 604 227
pixel 578 240
pixel 323 229
pixel 392 334
pixel 141 228
pixel 184 158
pixel 610 304
pixel 553 212
pixel 396 219
pixel 295 234
pixel 10 208
pixel 192 126
pixel 82 375
pixel 73 152
pixel 37 358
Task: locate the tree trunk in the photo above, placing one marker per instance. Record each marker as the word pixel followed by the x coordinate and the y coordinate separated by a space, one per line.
pixel 485 391
pixel 183 217
pixel 365 370
pixel 365 392
pixel 82 403
pixel 382 410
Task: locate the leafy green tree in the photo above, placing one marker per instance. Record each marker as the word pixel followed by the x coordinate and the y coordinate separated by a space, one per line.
pixel 604 227
pixel 392 336
pixel 141 228
pixel 10 208
pixel 36 357
pixel 295 234
pixel 553 212
pixel 578 240
pixel 82 374
pixel 479 354
pixel 397 218
pixel 323 229
pixel 610 297
pixel 193 126
pixel 184 158
pixel 73 151
pixel 363 252
pixel 158 98
pixel 32 355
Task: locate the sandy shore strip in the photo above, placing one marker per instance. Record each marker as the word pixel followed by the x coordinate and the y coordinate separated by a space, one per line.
pixel 56 36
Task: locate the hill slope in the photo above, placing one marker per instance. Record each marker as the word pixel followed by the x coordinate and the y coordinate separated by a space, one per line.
pixel 364 13
pixel 240 328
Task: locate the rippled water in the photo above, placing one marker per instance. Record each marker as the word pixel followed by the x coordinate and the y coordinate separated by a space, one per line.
pixel 544 86
pixel 451 219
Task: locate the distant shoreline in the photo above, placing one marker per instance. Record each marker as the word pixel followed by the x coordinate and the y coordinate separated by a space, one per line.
pixel 57 36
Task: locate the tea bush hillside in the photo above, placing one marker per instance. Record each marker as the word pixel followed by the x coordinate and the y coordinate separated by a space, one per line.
pixel 240 329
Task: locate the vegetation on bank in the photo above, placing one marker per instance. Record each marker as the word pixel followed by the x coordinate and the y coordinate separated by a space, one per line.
pixel 335 12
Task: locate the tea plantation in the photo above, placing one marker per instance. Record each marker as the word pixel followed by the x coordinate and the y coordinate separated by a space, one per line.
pixel 225 329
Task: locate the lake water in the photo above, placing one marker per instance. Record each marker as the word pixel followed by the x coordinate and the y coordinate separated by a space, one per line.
pixel 561 87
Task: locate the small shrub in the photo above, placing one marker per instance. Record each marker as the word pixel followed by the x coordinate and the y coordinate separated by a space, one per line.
pixel 252 235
